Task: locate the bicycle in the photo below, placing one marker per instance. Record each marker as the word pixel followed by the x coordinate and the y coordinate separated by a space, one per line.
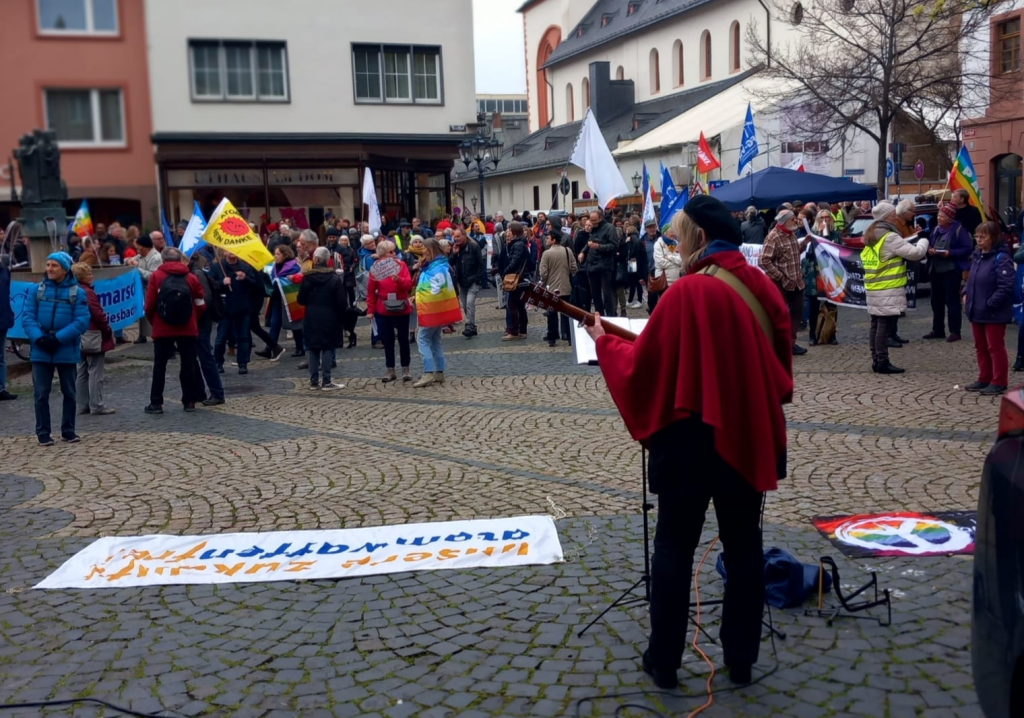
pixel 21 348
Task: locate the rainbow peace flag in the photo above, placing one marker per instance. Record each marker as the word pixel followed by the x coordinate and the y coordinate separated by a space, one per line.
pixel 962 176
pixel 294 311
pixel 436 302
pixel 82 225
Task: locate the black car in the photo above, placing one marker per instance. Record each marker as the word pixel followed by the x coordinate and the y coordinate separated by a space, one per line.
pixel 997 625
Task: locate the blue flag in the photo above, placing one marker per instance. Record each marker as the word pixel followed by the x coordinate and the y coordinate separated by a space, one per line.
pixel 166 229
pixel 677 206
pixel 193 237
pixel 749 149
pixel 668 190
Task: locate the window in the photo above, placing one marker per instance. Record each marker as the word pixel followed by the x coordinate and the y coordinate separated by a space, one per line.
pixel 91 17
pixel 536 197
pixel 554 196
pixel 797 15
pixel 86 118
pixel 620 74
pixel 399 74
pixel 238 71
pixel 1009 46
pixel 734 47
pixel 586 93
pixel 705 56
pixel 570 111
pixel 575 190
pixel 677 63
pixel 655 73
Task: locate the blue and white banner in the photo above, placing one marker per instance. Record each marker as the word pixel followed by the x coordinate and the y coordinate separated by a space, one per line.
pixel 120 561
pixel 121 297
pixel 749 149
pixel 193 237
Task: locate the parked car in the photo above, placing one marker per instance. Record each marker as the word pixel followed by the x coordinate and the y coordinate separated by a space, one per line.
pixel 997 625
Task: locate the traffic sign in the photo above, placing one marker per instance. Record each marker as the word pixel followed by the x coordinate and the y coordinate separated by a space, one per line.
pixel 888 168
pixel 715 184
pixel 919 170
pixel 854 172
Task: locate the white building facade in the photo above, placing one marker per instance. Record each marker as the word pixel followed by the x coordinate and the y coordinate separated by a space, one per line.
pixel 254 102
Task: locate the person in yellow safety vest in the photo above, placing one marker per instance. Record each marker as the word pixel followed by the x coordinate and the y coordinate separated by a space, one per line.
pixel 838 217
pixel 404 236
pixel 884 259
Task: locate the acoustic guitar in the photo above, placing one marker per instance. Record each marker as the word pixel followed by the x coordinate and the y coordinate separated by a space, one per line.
pixel 539 296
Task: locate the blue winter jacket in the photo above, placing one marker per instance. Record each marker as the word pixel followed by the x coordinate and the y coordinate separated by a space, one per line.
pixel 55 314
pixel 989 287
pixel 6 313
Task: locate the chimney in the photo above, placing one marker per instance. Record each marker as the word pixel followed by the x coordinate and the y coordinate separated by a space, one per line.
pixel 608 97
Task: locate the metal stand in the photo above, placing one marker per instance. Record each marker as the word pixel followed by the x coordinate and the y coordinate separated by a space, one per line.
pixel 627 599
pixel 845 602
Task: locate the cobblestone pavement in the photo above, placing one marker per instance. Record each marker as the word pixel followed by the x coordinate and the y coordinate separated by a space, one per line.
pixel 514 430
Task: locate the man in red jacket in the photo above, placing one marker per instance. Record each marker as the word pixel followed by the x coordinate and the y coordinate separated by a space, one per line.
pixel 174 301
pixel 702 388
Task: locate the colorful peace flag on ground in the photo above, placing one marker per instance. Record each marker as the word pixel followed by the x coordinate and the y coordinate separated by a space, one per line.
pixel 294 311
pixel 229 231
pixel 82 225
pixel 962 176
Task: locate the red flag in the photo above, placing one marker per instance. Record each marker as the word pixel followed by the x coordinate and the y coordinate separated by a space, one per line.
pixel 705 160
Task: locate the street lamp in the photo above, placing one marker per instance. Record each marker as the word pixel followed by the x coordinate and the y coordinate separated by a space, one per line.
pixel 484 149
pixel 473 201
pixel 637 179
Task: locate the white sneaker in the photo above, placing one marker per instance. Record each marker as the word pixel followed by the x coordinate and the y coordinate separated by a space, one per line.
pixel 332 386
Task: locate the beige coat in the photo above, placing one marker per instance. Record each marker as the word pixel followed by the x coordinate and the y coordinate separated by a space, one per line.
pixel 891 302
pixel 557 268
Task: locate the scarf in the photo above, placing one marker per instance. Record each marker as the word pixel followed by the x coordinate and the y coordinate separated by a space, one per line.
pixel 418 249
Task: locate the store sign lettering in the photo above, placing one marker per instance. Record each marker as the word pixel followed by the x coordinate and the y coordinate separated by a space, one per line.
pixel 328 177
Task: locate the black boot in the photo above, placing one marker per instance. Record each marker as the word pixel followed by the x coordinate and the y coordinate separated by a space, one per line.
pixel 1019 364
pixel 352 340
pixel 888 368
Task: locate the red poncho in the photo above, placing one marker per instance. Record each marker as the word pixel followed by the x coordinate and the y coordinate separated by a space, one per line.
pixel 704 353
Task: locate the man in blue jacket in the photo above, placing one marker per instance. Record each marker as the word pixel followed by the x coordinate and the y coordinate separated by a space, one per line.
pixel 6 322
pixel 55 318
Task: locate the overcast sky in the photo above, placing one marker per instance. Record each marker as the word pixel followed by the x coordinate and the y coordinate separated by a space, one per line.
pixel 498 45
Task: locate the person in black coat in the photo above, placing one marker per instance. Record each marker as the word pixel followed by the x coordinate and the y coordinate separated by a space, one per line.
pixel 322 293
pixel 603 245
pixel 514 259
pixel 581 282
pixel 234 281
pixel 467 262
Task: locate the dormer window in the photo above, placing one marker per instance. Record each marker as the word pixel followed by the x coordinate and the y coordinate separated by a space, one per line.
pixel 633 7
pixel 579 31
pixel 605 19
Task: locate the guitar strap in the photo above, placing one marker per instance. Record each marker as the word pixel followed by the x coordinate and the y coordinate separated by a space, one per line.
pixel 746 295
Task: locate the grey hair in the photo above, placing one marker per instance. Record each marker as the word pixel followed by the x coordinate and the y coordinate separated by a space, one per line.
pixel 308 235
pixel 170 254
pixel 385 246
pixel 322 255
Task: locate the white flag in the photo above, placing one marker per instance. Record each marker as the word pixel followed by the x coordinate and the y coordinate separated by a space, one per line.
pixel 370 200
pixel 591 154
pixel 797 165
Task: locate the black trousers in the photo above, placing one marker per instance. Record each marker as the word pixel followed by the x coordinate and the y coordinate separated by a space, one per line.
pixel 794 299
pixel 581 291
pixel 652 300
pixel 558 321
pixel 163 350
pixel 602 291
pixel 946 298
pixel 681 514
pixel 256 324
pixel 390 327
pixel 881 330
pixel 516 319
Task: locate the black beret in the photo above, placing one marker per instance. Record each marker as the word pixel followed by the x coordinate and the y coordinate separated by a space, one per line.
pixel 714 218
pixel 143 240
pixel 332 232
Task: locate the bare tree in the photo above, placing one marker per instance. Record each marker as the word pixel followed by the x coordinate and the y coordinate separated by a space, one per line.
pixel 857 65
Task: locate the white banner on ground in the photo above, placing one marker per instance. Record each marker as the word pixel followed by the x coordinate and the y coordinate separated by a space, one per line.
pixel 117 562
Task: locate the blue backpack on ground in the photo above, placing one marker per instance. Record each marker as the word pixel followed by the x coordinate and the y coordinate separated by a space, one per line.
pixel 788 583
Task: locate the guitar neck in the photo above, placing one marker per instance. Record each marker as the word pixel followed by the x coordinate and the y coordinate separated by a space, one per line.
pixel 574 312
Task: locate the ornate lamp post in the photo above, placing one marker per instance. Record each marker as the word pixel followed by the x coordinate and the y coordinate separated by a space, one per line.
pixel 637 179
pixel 473 202
pixel 484 149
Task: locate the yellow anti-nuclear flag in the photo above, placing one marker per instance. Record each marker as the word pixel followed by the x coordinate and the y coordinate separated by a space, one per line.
pixel 229 231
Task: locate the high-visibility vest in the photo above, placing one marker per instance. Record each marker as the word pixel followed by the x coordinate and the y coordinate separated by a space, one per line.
pixel 840 220
pixel 400 243
pixel 878 274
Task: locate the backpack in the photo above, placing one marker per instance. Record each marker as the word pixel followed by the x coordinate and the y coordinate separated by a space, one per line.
pixel 174 300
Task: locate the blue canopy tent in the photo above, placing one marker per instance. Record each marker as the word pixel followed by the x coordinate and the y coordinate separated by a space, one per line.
pixel 768 188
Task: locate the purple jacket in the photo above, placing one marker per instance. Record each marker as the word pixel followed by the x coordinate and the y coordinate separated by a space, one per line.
pixel 960 247
pixel 989 287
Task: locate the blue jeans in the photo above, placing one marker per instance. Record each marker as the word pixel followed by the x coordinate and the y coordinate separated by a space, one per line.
pixel 208 364
pixel 3 359
pixel 237 328
pixel 319 361
pixel 429 341
pixel 42 381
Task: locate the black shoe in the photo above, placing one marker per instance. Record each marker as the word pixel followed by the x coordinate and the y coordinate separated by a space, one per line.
pixel 813 342
pixel 893 344
pixel 992 390
pixel 1017 366
pixel 740 675
pixel 220 368
pixel 900 339
pixel 874 367
pixel 265 354
pixel 798 351
pixel 140 340
pixel 8 396
pixel 888 368
pixel 154 409
pixel 552 344
pixel 83 412
pixel 296 355
pixel 243 370
pixel 976 386
pixel 45 441
pixel 352 341
pixel 334 364
pixel 70 439
pixel 189 408
pixel 212 402
pixel 834 341
pixel 666 680
pixel 934 335
pixel 303 365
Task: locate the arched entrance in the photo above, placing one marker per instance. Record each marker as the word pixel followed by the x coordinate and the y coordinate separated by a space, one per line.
pixel 545 100
pixel 1008 186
